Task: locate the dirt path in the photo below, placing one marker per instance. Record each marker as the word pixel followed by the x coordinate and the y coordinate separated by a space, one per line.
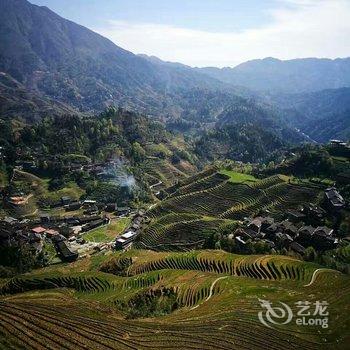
pixel 210 292
pixel 213 285
pixel 314 275
pixel 157 184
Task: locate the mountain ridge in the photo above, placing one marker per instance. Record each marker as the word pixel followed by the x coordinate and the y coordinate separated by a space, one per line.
pixel 288 76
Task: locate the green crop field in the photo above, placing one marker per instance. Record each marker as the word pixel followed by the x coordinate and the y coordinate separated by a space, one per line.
pixel 236 177
pixel 147 300
pixel 109 232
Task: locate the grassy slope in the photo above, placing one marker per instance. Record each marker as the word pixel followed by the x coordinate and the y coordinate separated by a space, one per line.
pixel 38 188
pixel 227 320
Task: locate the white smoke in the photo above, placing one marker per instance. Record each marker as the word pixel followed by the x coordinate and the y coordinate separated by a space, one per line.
pixel 116 172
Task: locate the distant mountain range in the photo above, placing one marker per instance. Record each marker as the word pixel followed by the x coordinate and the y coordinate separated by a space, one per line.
pixel 50 65
pixel 290 76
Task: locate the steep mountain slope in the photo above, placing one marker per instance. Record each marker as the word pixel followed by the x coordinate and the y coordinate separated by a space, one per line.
pixel 290 76
pixel 16 100
pixel 74 65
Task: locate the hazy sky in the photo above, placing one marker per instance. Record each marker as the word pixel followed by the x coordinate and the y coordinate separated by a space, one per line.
pixel 217 32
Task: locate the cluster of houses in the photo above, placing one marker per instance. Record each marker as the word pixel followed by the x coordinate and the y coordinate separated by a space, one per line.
pixel 301 229
pixel 90 207
pixel 64 231
pixel 339 144
pixel 58 229
pixel 14 232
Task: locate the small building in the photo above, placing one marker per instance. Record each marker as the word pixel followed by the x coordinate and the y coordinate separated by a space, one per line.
pixel 135 226
pixel 295 216
pixel 88 203
pixel 65 200
pixel 298 248
pixel 288 228
pixel 92 210
pixel 338 143
pixel 125 239
pixel 85 219
pixel 123 211
pixel 45 218
pixel 272 228
pixel 333 198
pixel 324 230
pixel 73 206
pixel 306 232
pixel 313 214
pixel 39 230
pixel 50 233
pixel 111 207
pixel 255 224
pixel 93 224
pixel 64 252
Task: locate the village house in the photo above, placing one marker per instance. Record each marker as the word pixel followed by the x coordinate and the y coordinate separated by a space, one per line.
pixel 333 199
pixel 73 206
pixel 125 239
pixel 298 248
pixel 295 216
pixel 305 232
pixel 92 210
pixel 39 230
pixel 64 252
pixel 65 200
pixel 255 224
pixel 123 211
pixel 338 143
pixel 314 214
pixel 45 218
pixel 111 207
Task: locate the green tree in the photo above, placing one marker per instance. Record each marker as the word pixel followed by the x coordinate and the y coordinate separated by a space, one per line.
pixel 310 254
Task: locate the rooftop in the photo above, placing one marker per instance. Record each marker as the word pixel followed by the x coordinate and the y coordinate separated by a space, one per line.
pixel 39 229
pixel 128 234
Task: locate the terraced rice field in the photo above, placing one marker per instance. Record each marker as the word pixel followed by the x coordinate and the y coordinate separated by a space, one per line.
pixel 217 304
pixel 213 195
pixel 158 170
